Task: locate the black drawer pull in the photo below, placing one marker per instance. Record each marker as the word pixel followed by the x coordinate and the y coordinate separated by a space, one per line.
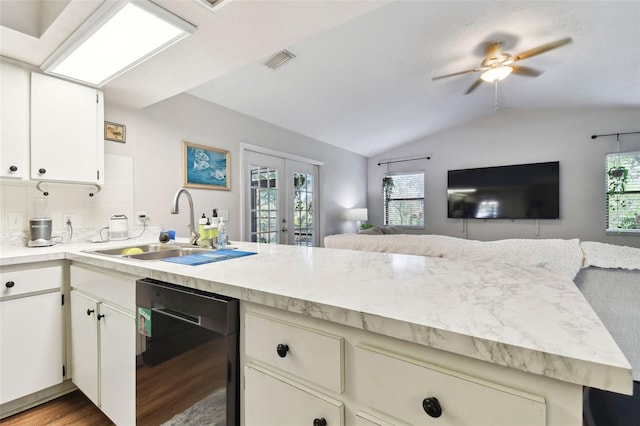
pixel 90 311
pixel 282 350
pixel 319 422
pixel 13 168
pixel 100 316
pixel 42 170
pixel 9 284
pixel 432 407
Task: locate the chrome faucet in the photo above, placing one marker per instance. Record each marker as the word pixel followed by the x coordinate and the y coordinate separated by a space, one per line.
pixel 175 210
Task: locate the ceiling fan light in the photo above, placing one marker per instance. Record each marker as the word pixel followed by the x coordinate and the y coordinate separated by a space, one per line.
pixel 496 74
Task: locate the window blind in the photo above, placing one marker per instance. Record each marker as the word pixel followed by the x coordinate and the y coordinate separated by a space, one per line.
pixel 404 199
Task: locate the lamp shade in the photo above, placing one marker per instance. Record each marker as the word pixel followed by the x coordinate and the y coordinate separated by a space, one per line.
pixel 357 214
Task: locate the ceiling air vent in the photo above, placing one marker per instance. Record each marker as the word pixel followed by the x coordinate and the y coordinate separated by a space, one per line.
pixel 279 59
pixel 213 5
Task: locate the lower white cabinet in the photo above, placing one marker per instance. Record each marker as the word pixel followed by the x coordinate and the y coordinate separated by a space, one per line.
pixel 426 394
pixel 331 374
pixel 275 400
pixel 103 343
pixel 31 334
pixel 84 345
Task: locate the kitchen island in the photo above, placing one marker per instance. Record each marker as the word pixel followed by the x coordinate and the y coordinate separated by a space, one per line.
pixel 481 321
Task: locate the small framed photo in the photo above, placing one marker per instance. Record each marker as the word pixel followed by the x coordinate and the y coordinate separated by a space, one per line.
pixel 115 132
pixel 205 167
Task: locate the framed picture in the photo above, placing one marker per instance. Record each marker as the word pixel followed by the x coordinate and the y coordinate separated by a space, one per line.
pixel 205 167
pixel 115 132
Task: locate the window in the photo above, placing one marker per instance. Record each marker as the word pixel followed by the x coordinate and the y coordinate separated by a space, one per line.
pixel 264 205
pixel 623 192
pixel 404 199
pixel 303 209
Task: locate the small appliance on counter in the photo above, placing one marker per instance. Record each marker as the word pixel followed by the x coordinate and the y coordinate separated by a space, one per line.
pixel 40 232
pixel 118 228
pixel 41 225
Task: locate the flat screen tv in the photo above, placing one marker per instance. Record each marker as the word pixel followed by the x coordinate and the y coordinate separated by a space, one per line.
pixel 523 191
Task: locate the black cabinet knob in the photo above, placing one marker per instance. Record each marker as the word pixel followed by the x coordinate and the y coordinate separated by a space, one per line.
pixel 100 316
pixel 13 168
pixel 282 350
pixel 90 311
pixel 319 422
pixel 42 170
pixel 432 407
pixel 9 284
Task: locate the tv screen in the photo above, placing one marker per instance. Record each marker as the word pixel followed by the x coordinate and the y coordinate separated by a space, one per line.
pixel 523 191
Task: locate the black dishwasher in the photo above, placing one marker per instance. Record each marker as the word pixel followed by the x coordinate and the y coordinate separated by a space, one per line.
pixel 187 366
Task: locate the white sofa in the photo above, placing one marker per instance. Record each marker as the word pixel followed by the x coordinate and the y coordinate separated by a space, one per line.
pixel 607 275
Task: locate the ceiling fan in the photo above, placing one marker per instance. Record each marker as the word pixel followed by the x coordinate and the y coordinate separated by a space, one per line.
pixel 497 64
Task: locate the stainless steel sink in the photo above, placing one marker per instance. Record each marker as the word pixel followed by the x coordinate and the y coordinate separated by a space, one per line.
pixel 163 254
pixel 154 251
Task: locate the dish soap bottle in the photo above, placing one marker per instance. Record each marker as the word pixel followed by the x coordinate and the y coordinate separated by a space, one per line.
pixel 201 223
pixel 222 235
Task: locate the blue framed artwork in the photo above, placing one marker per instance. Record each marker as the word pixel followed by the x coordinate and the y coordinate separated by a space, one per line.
pixel 205 167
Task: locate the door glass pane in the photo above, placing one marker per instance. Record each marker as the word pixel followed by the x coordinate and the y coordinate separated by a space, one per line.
pixel 264 205
pixel 302 209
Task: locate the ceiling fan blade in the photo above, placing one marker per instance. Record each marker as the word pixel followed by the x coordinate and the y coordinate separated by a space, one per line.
pixel 473 86
pixel 457 73
pixel 525 71
pixel 542 49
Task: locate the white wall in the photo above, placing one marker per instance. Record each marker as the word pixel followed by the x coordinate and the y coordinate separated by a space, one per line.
pixel 154 138
pixel 516 137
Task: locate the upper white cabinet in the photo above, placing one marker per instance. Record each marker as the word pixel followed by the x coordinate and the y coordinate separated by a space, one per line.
pixel 14 122
pixel 67 144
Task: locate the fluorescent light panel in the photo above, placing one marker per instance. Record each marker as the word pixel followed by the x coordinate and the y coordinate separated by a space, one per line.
pixel 134 33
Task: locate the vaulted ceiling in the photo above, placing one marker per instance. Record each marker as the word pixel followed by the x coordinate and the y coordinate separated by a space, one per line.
pixel 362 75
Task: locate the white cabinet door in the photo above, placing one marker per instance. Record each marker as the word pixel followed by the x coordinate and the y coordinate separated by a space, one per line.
pixel 84 344
pixel 14 119
pixel 31 345
pixel 67 143
pixel 271 400
pixel 118 365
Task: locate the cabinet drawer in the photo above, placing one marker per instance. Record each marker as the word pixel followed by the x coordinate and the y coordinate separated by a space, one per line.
pixel 366 419
pixel 29 279
pixel 398 386
pixel 114 288
pixel 310 354
pixel 271 400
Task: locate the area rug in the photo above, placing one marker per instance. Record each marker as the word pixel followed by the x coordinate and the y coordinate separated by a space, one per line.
pixel 210 411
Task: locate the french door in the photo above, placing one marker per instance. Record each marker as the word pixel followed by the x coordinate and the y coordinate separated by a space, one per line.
pixel 280 200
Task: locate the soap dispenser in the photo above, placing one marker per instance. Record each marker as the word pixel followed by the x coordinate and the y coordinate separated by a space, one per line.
pixel 201 223
pixel 222 235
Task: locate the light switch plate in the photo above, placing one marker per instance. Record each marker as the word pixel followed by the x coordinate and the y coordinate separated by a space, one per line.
pixel 224 214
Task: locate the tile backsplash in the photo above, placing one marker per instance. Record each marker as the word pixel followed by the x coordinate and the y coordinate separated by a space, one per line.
pixel 89 213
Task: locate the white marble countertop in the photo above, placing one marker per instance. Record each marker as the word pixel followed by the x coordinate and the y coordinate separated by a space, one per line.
pixel 524 318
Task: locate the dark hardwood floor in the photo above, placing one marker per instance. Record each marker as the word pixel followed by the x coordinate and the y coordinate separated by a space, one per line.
pixel 73 409
pixel 162 391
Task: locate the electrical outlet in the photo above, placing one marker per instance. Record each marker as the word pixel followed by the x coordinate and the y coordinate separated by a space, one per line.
pixel 142 217
pixel 16 221
pixel 224 214
pixel 68 218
